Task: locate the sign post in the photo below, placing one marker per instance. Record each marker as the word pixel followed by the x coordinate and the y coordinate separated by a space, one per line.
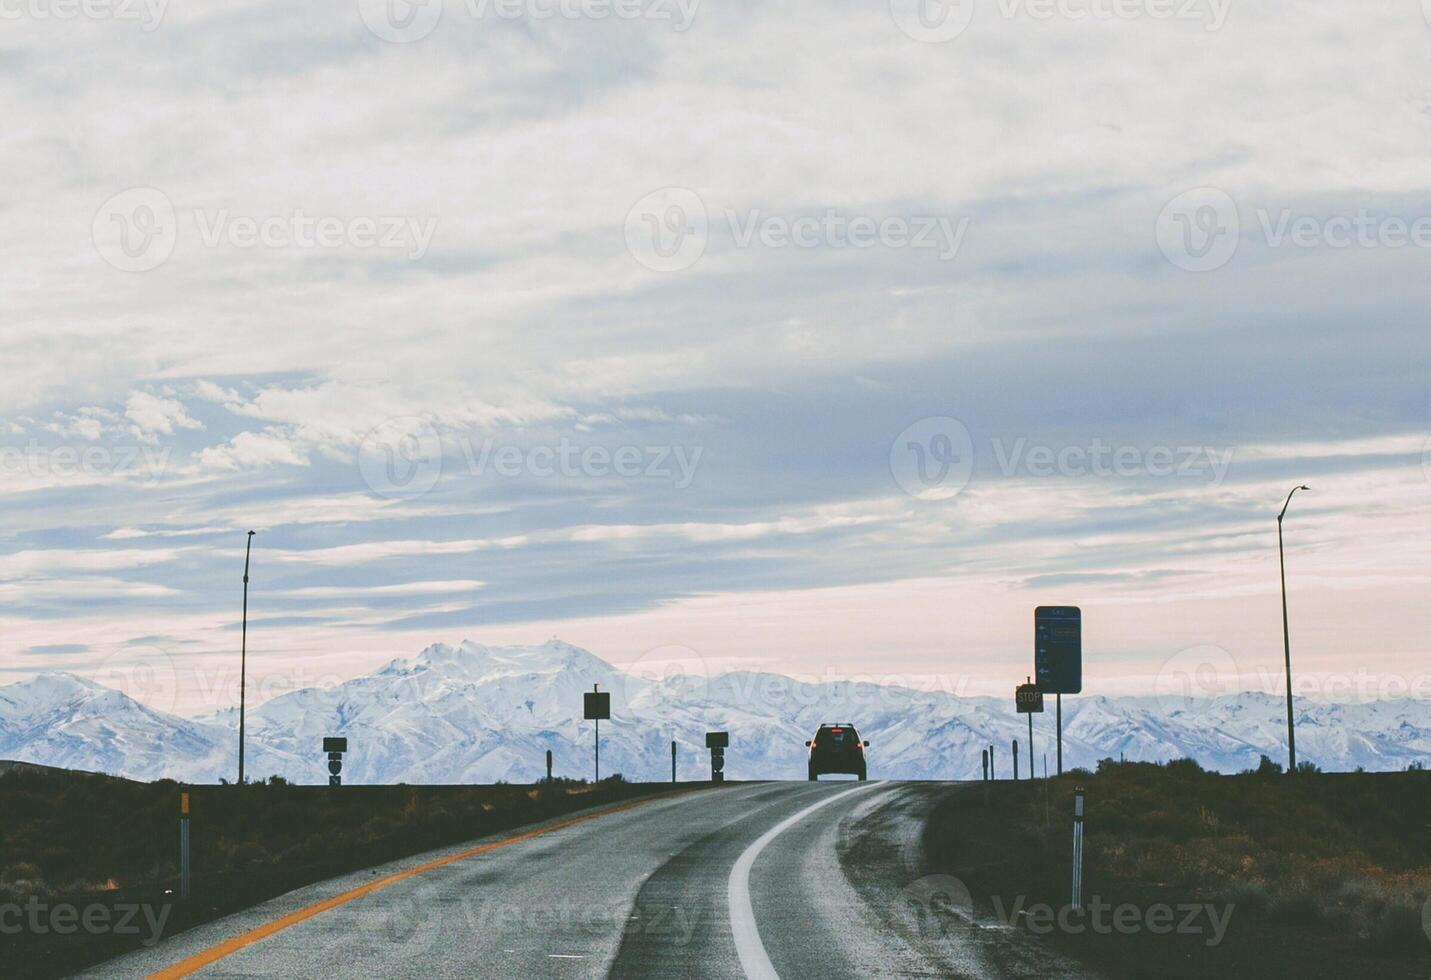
pixel 1029 700
pixel 184 846
pixel 243 651
pixel 1058 657
pixel 717 742
pixel 597 705
pixel 335 747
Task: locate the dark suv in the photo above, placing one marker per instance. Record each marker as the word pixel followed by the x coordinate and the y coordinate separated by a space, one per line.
pixel 837 748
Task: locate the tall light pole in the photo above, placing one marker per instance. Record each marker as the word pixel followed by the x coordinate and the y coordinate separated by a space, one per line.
pixel 1286 640
pixel 243 651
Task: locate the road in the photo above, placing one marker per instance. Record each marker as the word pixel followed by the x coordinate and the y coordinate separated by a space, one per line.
pixel 756 880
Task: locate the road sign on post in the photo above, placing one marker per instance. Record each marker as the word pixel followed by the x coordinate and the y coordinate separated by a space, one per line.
pixel 1058 658
pixel 1058 649
pixel 335 747
pixel 1029 701
pixel 597 705
pixel 717 742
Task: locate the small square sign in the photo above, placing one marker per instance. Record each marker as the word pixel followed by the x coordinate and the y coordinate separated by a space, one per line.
pixel 597 704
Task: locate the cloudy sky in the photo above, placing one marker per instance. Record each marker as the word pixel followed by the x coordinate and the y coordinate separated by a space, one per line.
pixel 823 338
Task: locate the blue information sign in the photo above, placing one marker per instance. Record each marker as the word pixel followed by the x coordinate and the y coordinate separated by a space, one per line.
pixel 1058 649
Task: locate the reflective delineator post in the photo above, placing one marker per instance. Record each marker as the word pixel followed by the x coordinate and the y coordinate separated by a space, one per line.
pixel 184 846
pixel 1078 848
pixel 986 765
pixel 1016 760
pixel 992 775
pixel 549 765
pixel 673 760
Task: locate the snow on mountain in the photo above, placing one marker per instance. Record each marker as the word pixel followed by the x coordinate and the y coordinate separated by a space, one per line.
pixel 473 713
pixel 66 721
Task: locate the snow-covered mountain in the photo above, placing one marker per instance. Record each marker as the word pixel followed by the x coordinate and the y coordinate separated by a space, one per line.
pixel 474 713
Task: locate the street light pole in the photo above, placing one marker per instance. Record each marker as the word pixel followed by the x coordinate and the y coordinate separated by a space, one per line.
pixel 1286 639
pixel 243 651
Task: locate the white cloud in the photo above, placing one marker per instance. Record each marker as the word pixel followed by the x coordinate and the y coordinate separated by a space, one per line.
pixel 249 450
pixel 152 416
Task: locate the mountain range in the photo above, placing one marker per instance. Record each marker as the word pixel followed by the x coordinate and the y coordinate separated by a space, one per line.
pixel 471 713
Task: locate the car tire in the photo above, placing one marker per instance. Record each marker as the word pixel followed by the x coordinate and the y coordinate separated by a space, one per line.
pixel 863 775
pixel 814 776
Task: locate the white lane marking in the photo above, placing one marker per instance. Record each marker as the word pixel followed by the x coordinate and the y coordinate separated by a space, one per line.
pixel 754 960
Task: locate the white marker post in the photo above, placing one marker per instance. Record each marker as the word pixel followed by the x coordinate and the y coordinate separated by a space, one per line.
pixel 1078 848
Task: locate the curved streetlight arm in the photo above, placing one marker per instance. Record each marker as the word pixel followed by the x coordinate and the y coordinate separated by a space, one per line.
pixel 1288 502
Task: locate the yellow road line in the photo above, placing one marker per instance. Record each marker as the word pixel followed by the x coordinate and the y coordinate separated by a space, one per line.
pixel 230 946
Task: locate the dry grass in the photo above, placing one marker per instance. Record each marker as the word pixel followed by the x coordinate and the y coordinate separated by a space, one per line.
pixel 1348 854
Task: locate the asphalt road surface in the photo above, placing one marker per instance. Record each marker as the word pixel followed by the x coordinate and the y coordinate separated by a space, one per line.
pixel 756 880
